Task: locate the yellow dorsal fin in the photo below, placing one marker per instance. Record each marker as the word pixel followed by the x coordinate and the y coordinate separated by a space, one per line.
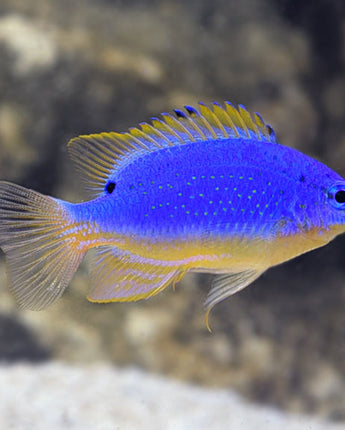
pixel 99 156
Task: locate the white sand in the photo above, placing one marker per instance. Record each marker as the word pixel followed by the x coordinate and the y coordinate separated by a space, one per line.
pixel 100 397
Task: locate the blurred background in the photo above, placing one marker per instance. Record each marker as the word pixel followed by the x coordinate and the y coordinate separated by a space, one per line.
pixel 77 67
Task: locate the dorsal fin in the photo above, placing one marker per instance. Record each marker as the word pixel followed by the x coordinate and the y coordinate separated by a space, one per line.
pixel 99 156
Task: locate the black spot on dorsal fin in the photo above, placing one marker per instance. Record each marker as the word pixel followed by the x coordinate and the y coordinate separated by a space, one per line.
pixel 270 131
pixel 192 111
pixel 179 113
pixel 110 187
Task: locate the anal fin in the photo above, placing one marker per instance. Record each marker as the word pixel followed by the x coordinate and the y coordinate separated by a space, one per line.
pixel 226 285
pixel 119 276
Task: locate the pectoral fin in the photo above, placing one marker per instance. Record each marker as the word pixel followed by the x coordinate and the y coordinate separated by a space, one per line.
pixel 225 285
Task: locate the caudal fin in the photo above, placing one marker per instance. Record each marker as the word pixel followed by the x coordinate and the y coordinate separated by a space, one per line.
pixel 39 252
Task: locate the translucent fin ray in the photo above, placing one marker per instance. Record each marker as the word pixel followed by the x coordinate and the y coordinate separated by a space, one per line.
pixel 99 156
pixel 226 285
pixel 40 261
pixel 119 276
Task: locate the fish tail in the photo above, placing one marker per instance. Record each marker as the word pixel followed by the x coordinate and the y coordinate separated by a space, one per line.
pixel 41 254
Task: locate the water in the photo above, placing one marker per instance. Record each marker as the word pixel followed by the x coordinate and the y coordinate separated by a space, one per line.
pixel 70 68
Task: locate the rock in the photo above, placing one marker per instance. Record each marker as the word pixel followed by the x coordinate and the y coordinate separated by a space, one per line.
pixel 32 46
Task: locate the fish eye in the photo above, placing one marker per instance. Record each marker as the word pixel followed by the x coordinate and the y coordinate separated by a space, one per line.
pixel 336 195
pixel 340 196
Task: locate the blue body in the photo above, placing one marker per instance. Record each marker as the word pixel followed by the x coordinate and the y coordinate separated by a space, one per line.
pixel 228 187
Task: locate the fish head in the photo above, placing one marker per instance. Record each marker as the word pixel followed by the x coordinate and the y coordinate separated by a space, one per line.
pixel 315 216
pixel 315 205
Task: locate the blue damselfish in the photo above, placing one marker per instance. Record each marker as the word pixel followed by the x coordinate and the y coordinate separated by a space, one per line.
pixel 205 189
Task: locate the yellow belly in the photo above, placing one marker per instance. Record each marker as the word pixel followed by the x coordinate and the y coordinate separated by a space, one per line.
pixel 226 254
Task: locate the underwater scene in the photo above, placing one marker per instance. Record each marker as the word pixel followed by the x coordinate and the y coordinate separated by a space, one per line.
pixel 157 157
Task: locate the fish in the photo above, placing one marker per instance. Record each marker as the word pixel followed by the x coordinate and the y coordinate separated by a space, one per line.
pixel 206 189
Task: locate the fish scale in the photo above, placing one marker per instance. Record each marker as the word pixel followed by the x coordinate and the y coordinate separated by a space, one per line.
pixel 211 192
pixel 206 190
